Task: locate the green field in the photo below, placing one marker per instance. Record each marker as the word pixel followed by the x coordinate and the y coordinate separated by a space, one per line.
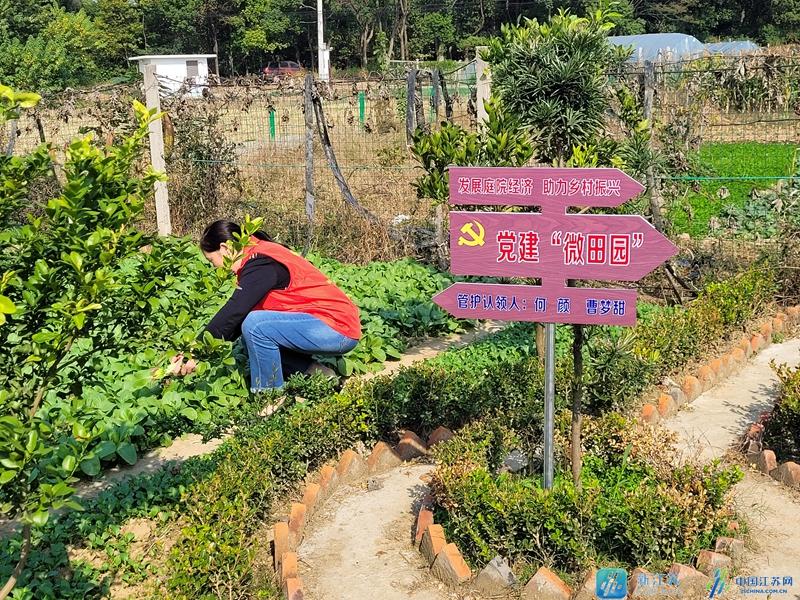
pixel 737 167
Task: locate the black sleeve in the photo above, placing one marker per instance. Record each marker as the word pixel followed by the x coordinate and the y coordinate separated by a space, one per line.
pixel 259 275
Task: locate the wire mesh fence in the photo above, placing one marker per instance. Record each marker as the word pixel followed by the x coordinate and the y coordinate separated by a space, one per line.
pixel 729 125
pixel 250 136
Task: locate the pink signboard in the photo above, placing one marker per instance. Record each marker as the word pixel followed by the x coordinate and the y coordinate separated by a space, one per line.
pixel 541 186
pixel 551 304
pixel 556 246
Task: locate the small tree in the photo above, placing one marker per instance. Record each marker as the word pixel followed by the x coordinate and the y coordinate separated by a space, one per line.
pixel 56 288
pixel 502 142
pixel 554 77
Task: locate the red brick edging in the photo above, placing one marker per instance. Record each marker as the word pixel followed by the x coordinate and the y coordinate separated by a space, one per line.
pixel 718 369
pixel 765 461
pixel 445 559
pixel 351 466
pixel 448 565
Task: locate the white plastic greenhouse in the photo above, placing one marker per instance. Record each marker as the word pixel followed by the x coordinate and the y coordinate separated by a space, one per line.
pixel 660 47
pixel 732 47
pixel 675 47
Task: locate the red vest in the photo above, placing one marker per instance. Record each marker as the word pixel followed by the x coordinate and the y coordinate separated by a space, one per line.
pixel 309 291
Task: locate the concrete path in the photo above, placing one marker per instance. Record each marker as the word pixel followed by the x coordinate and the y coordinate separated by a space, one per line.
pixel 773 513
pixel 714 422
pixel 359 545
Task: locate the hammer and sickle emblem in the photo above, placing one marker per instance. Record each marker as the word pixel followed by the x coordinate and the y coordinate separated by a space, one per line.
pixel 476 238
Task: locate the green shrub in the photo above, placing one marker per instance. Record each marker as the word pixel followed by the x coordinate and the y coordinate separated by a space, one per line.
pixel 782 427
pixel 634 508
pixel 674 336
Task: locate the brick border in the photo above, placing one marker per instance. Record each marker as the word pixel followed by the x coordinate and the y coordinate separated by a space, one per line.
pixel 752 444
pixel 718 369
pixel 445 560
pixel 288 533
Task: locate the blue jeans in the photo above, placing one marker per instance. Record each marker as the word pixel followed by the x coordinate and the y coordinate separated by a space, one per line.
pixel 267 333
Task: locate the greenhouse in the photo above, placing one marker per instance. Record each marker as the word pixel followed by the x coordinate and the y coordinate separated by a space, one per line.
pixel 675 47
pixel 732 47
pixel 664 47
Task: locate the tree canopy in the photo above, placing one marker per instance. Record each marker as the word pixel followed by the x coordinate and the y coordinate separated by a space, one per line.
pixel 51 44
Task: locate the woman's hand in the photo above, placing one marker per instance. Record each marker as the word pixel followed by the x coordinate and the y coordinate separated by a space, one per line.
pixel 179 368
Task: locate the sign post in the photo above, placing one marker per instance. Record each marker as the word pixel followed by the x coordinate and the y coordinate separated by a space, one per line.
pixel 553 246
pixel 549 400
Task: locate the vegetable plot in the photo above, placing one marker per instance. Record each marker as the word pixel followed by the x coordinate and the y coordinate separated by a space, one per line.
pixel 91 309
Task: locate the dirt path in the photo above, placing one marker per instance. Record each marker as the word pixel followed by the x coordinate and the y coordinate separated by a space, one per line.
pixel 359 546
pixel 711 425
pixel 773 513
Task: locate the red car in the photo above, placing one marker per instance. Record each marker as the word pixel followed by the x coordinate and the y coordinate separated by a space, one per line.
pixel 284 68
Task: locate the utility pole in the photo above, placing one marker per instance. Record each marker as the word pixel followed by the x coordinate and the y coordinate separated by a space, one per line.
pixel 323 54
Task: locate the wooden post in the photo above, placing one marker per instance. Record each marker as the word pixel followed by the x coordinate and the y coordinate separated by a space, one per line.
pixel 484 84
pixel 448 100
pixel 308 105
pixel 157 151
pixel 12 137
pixel 419 106
pixel 411 90
pixel 437 95
pixel 652 187
pixel 325 140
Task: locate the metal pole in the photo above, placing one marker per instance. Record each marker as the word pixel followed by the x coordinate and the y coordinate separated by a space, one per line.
pixel 362 108
pixel 272 125
pixel 549 400
pixel 321 57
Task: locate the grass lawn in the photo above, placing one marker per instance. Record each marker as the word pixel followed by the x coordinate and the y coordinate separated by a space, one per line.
pixel 692 210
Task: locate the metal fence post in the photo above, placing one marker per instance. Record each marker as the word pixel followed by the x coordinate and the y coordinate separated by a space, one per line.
pixel 272 125
pixel 157 151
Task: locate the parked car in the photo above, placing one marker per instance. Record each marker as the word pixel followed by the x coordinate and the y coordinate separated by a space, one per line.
pixel 284 68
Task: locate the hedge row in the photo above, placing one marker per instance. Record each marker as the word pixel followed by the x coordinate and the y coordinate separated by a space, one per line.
pixel 220 501
pixel 782 427
pixel 634 507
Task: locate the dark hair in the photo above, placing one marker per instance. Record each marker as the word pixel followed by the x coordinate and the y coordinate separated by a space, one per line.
pixel 222 231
